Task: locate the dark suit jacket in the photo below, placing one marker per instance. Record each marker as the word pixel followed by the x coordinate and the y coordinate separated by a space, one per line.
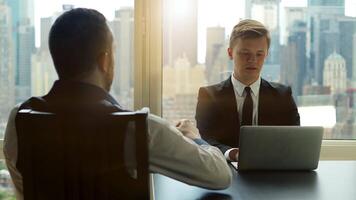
pixel 217 117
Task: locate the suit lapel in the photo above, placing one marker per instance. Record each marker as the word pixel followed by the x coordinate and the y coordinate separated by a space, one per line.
pixel 263 102
pixel 229 101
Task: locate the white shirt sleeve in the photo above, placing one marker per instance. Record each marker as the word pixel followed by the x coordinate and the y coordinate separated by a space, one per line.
pixel 178 157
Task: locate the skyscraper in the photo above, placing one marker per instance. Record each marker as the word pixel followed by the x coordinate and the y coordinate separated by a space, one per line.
pixel 293 14
pixel 46 24
pixel 295 73
pixel 7 85
pixel 347 28
pixel 123 31
pixel 324 32
pixel 180 30
pixel 25 48
pixel 23 35
pixel 215 43
pixel 335 73
pixel 43 73
pixel 20 10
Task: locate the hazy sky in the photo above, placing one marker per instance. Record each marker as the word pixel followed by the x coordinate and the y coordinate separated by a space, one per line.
pixel 225 13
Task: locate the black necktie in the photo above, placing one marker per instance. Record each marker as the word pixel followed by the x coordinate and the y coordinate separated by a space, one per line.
pixel 247 108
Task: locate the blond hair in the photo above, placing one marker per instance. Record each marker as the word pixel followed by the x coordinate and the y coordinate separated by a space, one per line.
pixel 249 28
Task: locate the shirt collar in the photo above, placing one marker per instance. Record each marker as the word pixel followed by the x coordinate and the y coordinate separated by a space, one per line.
pixel 240 87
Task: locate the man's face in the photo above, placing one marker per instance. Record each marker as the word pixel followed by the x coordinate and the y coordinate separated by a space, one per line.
pixel 248 55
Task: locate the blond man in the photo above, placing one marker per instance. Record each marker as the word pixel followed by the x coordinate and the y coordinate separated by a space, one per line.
pixel 244 99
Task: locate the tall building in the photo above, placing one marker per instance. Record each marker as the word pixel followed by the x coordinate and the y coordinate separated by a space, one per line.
pixel 324 33
pixel 347 27
pixel 335 73
pixel 46 24
pixel 20 10
pixel 290 65
pixel 180 30
pixel 25 49
pixel 215 44
pixel 43 73
pixel 293 14
pixel 123 31
pixel 293 58
pixel 7 84
pixel 23 35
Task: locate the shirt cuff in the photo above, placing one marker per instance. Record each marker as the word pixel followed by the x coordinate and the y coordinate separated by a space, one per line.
pixel 226 154
pixel 200 142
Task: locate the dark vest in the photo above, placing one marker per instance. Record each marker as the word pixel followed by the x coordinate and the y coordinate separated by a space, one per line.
pixel 68 99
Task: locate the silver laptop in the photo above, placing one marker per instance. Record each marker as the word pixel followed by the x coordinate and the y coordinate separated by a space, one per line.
pixel 279 147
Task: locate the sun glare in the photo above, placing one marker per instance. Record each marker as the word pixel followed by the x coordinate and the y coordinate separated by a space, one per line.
pixel 318 116
pixel 181 8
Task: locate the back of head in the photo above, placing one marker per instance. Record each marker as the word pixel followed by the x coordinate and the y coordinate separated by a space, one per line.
pixel 76 39
pixel 249 28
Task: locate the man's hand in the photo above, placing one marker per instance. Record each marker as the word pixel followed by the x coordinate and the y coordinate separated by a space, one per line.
pixel 188 129
pixel 233 154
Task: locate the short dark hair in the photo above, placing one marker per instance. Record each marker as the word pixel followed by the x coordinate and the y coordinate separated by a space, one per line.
pixel 76 39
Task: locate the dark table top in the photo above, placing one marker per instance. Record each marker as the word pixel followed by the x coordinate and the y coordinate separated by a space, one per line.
pixel 333 180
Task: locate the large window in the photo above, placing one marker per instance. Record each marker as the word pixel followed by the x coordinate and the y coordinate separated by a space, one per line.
pixel 313 50
pixel 26 67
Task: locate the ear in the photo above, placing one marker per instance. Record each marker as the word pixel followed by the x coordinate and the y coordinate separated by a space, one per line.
pixel 102 62
pixel 229 52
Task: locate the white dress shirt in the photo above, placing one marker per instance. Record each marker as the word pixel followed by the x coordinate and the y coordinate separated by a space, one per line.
pixel 240 94
pixel 170 154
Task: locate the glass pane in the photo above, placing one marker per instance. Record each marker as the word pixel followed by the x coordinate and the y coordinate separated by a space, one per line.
pixel 312 50
pixel 26 67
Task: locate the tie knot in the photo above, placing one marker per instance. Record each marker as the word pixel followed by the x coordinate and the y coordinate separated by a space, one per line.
pixel 247 90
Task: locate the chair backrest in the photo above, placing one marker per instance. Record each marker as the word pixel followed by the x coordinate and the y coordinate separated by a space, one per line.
pixel 83 155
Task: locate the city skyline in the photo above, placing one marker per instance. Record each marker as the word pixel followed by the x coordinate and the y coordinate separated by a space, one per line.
pixel 229 13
